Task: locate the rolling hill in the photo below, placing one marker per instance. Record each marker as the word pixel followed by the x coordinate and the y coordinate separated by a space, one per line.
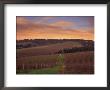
pixel 46 50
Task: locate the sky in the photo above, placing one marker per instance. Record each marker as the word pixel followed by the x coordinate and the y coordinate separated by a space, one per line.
pixel 55 27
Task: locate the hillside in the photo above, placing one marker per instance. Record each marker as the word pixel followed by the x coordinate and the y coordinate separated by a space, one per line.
pixel 75 63
pixel 46 50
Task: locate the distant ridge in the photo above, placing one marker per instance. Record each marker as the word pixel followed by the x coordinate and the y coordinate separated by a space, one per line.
pixel 26 43
pixel 53 39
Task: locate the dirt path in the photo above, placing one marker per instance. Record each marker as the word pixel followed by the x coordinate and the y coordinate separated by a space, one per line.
pixel 61 63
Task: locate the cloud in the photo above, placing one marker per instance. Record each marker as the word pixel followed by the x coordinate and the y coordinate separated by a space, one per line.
pixel 24 24
pixel 44 19
pixel 21 20
pixel 91 21
pixel 87 29
pixel 32 30
pixel 63 24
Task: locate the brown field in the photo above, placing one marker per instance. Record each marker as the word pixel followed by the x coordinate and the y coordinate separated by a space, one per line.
pixel 45 50
pixel 81 62
pixel 74 63
pixel 43 60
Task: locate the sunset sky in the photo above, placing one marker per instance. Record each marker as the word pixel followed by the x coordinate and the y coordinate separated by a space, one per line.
pixel 55 27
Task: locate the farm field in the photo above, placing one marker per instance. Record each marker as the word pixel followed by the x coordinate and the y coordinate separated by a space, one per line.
pixel 43 60
pixel 46 49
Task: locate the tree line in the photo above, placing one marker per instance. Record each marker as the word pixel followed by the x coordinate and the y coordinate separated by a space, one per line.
pixel 75 49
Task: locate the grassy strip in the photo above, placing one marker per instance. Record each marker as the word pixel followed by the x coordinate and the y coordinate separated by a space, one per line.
pixel 54 70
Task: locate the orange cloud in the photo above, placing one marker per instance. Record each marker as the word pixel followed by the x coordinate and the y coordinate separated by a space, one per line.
pixel 63 23
pixel 21 20
pixel 23 24
pixel 30 30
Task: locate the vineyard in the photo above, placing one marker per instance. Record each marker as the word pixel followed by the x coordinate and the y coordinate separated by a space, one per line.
pixel 67 57
pixel 69 63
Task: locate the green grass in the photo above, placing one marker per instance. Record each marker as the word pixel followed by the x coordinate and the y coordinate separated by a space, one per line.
pixel 54 70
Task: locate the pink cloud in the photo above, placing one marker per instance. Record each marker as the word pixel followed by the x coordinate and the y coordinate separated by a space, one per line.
pixel 28 29
pixel 63 24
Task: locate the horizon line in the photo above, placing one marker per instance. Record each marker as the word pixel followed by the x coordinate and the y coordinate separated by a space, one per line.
pixel 52 39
